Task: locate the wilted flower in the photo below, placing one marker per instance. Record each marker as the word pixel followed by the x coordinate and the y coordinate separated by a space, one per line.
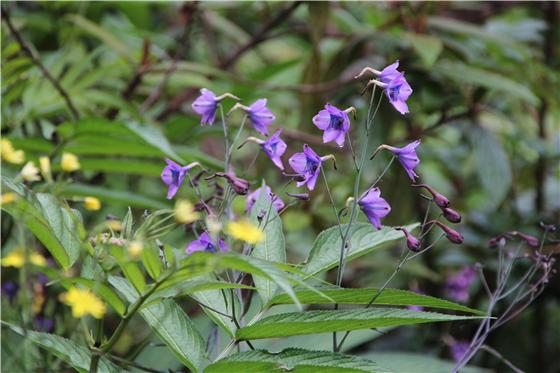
pixel 83 302
pixel 9 154
pixel 261 117
pixel 239 186
pixel 439 199
pixel 451 234
pixel 451 215
pixel 308 165
pixel 457 284
pixel 29 172
pixel 412 242
pixel 334 122
pixel 245 230
pixel 185 212
pixel 274 147
pixel 69 162
pixel 206 105
pixel 92 203
pixel 204 243
pixel 173 176
pixel 407 157
pixel 374 206
pixel 16 258
pixel 254 196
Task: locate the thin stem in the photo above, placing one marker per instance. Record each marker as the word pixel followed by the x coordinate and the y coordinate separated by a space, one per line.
pixel 501 358
pixel 332 204
pixel 352 150
pixel 384 171
pixel 226 139
pixel 230 151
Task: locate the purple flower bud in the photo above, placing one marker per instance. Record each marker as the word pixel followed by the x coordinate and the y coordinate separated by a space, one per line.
pixel 274 148
pixel 300 196
pixel 254 196
pixel 307 165
pixel 204 243
pixel 547 227
pixel 412 242
pixel 173 176
pixel 374 206
pixel 239 186
pixel 451 215
pixel 407 157
pixel 451 234
pixel 334 122
pixel 261 117
pixel 439 199
pixel 206 105
pixel 531 240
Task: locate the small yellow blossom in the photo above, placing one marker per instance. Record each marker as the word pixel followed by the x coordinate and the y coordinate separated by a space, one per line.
pixel 9 154
pixel 69 162
pixel 45 166
pixel 92 203
pixel 8 198
pixel 16 258
pixel 245 230
pixel 134 249
pixel 29 172
pixel 213 224
pixel 83 302
pixel 185 213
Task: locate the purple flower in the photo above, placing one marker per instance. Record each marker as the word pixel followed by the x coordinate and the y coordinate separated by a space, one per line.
pixel 457 284
pixel 374 206
pixel 254 196
pixel 204 243
pixel 308 165
pixel 43 324
pixel 206 105
pixel 390 72
pixel 397 88
pixel 173 176
pixel 334 122
pixel 239 185
pixel 274 148
pixel 261 117
pixel 407 157
pixel 458 350
pixel 10 289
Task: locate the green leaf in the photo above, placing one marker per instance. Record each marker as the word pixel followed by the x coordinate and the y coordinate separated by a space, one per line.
pixel 272 248
pixel 312 322
pixel 70 352
pixel 130 269
pixel 172 326
pixel 418 363
pixel 111 196
pixel 364 238
pixel 492 165
pixel 153 136
pixel 391 297
pixel 427 47
pixel 150 259
pixel 293 360
pixel 102 290
pixel 471 75
pixel 217 300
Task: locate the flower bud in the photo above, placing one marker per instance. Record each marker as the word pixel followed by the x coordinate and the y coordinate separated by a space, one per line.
pixel 300 196
pixel 439 199
pixel 412 242
pixel 451 234
pixel 547 227
pixel 451 215
pixel 531 240
pixel 239 186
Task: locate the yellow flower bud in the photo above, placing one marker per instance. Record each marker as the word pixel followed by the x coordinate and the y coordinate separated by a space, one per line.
pixel 92 203
pixel 69 162
pixel 29 172
pixel 16 258
pixel 8 198
pixel 9 154
pixel 45 166
pixel 185 213
pixel 245 230
pixel 134 249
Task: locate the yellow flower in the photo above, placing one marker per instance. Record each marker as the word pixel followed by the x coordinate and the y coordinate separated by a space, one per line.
pixel 45 166
pixel 16 258
pixel 92 203
pixel 246 231
pixel 29 172
pixel 134 249
pixel 83 302
pixel 114 225
pixel 69 162
pixel 8 198
pixel 185 213
pixel 9 154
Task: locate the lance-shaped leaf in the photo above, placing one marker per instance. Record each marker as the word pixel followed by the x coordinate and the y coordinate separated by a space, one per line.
pixel 390 297
pixel 312 322
pixel 294 359
pixel 72 353
pixel 363 239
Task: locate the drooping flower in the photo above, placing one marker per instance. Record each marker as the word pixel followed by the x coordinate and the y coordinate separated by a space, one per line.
pixel 390 72
pixel 16 258
pixel 412 242
pixel 92 203
pixel 206 105
pixel 457 284
pixel 239 185
pixel 173 176
pixel 185 212
pixel 30 172
pixel 334 122
pixel 205 243
pixel 374 206
pixel 261 116
pixel 254 196
pixel 69 162
pixel 407 157
pixel 308 165
pixel 274 147
pixel 83 302
pixel 9 154
pixel 451 234
pixel 439 199
pixel 245 230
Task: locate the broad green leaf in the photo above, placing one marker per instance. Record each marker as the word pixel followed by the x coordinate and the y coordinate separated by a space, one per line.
pixel 391 297
pixel 272 248
pixel 462 73
pixel 364 238
pixel 492 165
pixel 426 46
pixel 312 322
pixel 293 360
pixel 418 363
pixel 172 326
pixel 153 136
pixel 102 290
pixel 72 353
pixel 112 196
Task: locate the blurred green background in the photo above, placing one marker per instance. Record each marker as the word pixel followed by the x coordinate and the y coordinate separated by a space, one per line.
pixel 485 104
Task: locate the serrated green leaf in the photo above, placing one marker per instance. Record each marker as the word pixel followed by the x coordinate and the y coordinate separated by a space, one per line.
pixel 293 360
pixel 171 324
pixel 390 297
pixel 77 356
pixel 418 363
pixel 312 322
pixel 364 238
